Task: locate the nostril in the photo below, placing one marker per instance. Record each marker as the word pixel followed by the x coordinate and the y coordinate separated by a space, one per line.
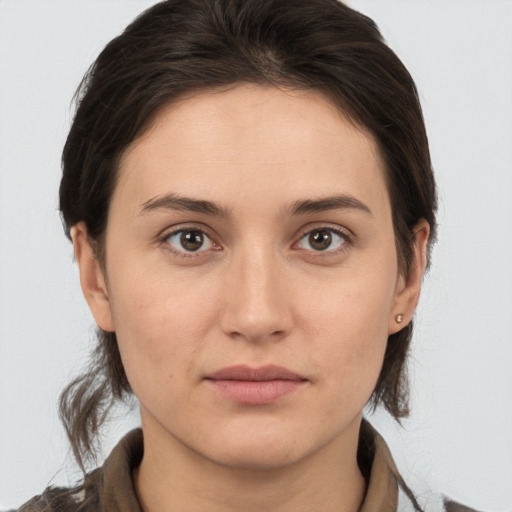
pixel 256 335
pixel 255 306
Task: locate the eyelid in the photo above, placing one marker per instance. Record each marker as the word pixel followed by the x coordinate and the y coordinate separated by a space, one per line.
pixel 344 232
pixel 318 226
pixel 171 231
pixel 183 226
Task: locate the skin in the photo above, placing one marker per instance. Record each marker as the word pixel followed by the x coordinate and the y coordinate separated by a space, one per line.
pixel 257 292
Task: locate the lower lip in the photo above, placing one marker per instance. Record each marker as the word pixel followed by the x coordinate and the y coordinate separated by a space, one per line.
pixel 256 392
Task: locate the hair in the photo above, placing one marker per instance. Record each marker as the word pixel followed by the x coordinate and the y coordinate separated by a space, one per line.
pixel 181 47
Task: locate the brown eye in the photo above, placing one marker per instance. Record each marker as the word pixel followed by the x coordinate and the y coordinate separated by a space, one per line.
pixel 189 240
pixel 320 240
pixel 323 239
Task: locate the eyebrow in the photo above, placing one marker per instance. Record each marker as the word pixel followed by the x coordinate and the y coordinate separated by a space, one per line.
pixel 338 202
pixel 301 207
pixel 180 203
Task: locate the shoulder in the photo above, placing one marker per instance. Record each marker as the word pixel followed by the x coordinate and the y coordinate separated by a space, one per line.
pixel 109 487
pixel 82 498
pixel 453 506
pixel 410 501
pixel 53 499
pixel 384 474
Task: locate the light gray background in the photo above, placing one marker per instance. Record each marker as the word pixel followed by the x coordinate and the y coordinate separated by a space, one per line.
pixel 459 437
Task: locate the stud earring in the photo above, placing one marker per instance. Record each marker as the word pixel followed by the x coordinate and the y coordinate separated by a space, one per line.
pixel 399 318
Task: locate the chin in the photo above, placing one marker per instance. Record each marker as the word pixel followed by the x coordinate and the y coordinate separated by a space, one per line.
pixel 257 458
pixel 259 448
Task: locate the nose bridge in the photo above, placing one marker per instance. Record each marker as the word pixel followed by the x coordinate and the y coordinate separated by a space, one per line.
pixel 256 306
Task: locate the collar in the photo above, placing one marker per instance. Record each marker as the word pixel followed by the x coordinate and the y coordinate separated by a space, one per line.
pixel 384 483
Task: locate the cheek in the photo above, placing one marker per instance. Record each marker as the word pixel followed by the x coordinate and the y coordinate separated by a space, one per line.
pixel 160 322
pixel 351 365
pixel 350 321
pixel 357 342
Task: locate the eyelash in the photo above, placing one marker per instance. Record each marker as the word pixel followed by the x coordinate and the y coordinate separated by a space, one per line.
pixel 164 240
pixel 347 241
pixel 345 245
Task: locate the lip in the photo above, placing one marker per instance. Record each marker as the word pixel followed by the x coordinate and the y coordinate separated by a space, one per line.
pixel 255 386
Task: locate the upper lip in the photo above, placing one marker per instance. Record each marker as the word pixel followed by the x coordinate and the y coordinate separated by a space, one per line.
pixel 263 373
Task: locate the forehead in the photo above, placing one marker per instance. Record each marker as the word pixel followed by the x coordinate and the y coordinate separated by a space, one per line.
pixel 235 143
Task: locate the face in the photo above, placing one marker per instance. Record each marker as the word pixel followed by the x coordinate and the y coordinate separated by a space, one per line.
pixel 251 274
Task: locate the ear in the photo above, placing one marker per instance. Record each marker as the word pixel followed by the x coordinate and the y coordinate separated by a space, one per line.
pixel 93 281
pixel 408 286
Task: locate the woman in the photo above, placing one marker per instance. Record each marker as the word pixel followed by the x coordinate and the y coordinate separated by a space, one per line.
pixel 249 193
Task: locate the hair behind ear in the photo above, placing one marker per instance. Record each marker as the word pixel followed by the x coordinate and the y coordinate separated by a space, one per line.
pixel 86 401
pixel 392 388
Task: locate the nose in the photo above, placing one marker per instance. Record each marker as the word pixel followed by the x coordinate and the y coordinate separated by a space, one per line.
pixel 257 300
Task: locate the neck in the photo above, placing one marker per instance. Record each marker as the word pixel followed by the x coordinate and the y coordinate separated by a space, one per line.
pixel 172 477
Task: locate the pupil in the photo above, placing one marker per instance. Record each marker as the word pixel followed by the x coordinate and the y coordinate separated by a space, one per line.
pixel 192 240
pixel 320 240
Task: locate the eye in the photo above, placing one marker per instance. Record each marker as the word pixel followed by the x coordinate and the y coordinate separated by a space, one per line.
pixel 189 240
pixel 323 239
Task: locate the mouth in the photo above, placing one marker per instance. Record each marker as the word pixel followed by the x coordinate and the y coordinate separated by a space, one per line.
pixel 255 386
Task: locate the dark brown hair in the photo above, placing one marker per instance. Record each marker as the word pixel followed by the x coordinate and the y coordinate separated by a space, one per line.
pixel 179 47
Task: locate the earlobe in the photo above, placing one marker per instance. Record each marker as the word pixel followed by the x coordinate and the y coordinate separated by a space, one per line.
pixel 409 286
pixel 92 279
